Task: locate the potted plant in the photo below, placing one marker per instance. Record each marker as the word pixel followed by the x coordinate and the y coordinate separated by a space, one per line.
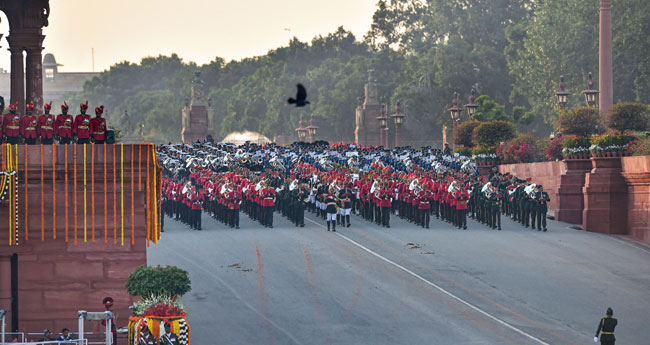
pixel 612 144
pixel 485 155
pixel 576 147
pixel 160 289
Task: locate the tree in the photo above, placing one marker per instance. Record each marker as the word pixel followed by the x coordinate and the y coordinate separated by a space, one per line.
pixel 628 117
pixel 581 121
pixel 493 133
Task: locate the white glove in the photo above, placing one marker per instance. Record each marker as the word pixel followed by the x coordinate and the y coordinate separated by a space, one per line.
pixel 595 339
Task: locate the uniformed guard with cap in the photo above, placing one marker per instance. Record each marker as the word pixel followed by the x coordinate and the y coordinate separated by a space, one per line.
pixel 146 338
pixel 63 125
pixel 606 328
pixel 45 128
pixel 108 304
pixel 81 125
pixel 169 338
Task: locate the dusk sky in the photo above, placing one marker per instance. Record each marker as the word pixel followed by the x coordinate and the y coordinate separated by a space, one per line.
pixel 198 30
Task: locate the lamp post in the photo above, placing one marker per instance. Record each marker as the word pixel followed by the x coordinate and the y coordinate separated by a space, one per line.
pixel 311 129
pixel 301 130
pixel 455 117
pixel 590 93
pixel 562 95
pixel 471 106
pixel 399 119
pixel 383 124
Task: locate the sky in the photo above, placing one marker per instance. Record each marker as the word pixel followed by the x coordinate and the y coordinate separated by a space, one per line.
pixel 198 30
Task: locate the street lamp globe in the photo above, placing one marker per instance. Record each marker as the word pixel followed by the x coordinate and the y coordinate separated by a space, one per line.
pixel 590 93
pixel 398 116
pixel 562 94
pixel 471 106
pixel 311 128
pixel 455 110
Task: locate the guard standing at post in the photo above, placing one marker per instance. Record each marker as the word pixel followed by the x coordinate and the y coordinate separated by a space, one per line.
pixel 81 126
pixel 29 124
pixel 606 328
pixel 63 125
pixel 331 211
pixel 98 126
pixel 45 127
pixel 11 125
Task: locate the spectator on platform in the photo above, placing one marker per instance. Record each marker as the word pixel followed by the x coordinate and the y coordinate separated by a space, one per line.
pixel 65 335
pixel 446 150
pixel 47 336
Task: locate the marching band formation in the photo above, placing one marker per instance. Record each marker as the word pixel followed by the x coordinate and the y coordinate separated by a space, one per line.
pixel 336 181
pixel 47 128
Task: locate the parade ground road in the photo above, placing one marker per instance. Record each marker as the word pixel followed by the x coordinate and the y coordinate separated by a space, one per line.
pixel 406 285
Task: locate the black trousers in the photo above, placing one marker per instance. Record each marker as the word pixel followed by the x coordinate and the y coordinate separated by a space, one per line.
pixel 83 140
pixel 268 215
pixel 385 216
pixel 541 219
pixel 45 141
pixel 64 141
pixel 425 217
pixel 13 140
pixel 462 218
pixel 30 141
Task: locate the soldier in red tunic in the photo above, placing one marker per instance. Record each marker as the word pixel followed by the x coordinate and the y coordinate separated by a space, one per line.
pixel 98 126
pixel 45 127
pixel 11 125
pixel 29 124
pixel 81 126
pixel 63 125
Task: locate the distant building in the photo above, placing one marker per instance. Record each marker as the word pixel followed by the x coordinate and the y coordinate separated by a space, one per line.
pixel 56 85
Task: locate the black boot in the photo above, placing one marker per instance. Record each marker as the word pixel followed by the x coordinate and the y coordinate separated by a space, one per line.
pixel 328 225
pixel 347 219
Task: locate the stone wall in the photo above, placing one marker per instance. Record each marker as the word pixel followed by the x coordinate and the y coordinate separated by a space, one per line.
pixel 615 196
pixel 636 172
pixel 545 173
pixel 58 277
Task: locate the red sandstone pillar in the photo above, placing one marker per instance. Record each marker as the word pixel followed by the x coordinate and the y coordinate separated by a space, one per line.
pixel 605 197
pixel 34 76
pixel 17 77
pixel 570 198
pixel 605 78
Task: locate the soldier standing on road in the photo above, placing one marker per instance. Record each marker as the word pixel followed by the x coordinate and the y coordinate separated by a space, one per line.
pixel 542 208
pixel 606 329
pixel 331 211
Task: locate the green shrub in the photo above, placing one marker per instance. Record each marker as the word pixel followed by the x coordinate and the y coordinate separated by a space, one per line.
pixel 158 281
pixel 464 133
pixel 493 133
pixel 582 121
pixel 628 117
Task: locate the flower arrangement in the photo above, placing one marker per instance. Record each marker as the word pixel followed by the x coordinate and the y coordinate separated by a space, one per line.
pixel 554 149
pixel 158 281
pixel 522 149
pixel 611 143
pixel 575 147
pixel 640 147
pixel 158 306
pixel 464 151
pixel 485 153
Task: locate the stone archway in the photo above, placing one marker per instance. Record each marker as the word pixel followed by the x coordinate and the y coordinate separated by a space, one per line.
pixel 26 21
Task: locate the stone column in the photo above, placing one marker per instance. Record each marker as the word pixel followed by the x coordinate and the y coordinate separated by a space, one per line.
pixel 34 77
pixel 570 199
pixel 605 197
pixel 605 78
pixel 17 78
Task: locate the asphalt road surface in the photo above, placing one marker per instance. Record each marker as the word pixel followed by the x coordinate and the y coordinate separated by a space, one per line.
pixel 406 285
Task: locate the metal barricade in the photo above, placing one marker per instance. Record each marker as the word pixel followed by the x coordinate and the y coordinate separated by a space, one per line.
pixel 56 342
pixel 105 316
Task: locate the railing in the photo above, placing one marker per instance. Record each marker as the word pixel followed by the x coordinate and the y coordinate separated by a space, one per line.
pixel 56 342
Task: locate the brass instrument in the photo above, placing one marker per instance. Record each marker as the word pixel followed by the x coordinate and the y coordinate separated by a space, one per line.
pixel 374 189
pixel 453 187
pixel 293 185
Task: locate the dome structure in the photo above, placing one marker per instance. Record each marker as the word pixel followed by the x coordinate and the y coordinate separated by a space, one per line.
pixel 240 138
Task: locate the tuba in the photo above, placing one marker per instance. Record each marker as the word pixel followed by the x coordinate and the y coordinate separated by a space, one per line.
pixel 293 185
pixel 453 187
pixel 530 191
pixel 374 189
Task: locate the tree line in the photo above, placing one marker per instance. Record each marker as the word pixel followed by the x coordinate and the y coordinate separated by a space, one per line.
pixel 511 51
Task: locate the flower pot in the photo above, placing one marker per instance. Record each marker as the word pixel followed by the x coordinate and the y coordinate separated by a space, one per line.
pixel 180 326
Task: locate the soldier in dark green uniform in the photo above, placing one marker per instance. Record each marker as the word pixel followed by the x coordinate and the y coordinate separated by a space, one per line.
pixel 541 200
pixel 606 329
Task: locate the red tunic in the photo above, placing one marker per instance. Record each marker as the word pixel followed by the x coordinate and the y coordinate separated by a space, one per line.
pixel 28 127
pixel 11 125
pixel 268 195
pixel 98 128
pixel 46 126
pixel 196 199
pixel 63 126
pixel 424 199
pixel 81 126
pixel 384 198
pixel 461 200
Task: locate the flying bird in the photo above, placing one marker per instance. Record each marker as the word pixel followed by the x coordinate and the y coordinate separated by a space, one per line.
pixel 301 97
pixel 286 29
